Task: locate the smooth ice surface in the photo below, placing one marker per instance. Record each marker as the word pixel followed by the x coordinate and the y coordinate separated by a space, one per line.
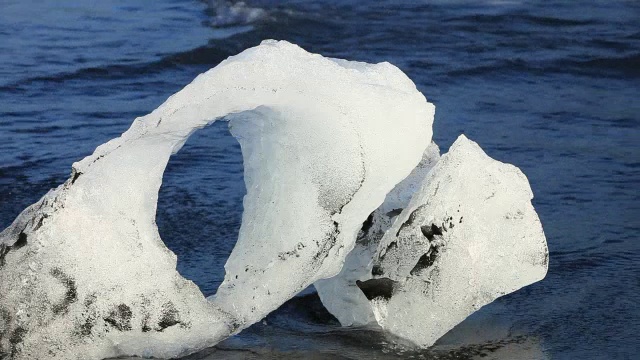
pixel 468 236
pixel 84 273
pixel 341 294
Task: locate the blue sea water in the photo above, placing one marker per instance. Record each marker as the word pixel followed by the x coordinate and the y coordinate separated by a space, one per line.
pixel 549 86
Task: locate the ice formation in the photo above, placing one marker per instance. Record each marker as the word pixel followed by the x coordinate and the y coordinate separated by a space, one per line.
pixel 468 236
pixel 336 155
pixel 84 273
pixel 463 234
pixel 341 294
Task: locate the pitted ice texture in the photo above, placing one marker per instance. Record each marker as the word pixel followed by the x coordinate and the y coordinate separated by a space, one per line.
pixel 84 273
pixel 468 236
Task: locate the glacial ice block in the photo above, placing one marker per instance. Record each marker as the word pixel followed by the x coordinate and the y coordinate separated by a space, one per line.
pixel 340 294
pixel 468 236
pixel 84 273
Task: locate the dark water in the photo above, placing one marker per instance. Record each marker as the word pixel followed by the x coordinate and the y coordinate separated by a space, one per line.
pixel 551 87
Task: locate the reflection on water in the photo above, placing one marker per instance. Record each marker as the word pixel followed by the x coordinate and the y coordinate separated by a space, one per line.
pixel 486 334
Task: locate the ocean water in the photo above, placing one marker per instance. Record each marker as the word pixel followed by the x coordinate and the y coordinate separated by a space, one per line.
pixel 549 86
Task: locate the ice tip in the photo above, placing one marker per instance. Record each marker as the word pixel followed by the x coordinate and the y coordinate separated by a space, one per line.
pixel 463 141
pixel 282 47
pixel 464 145
pixel 279 44
pixel 267 42
pixel 462 138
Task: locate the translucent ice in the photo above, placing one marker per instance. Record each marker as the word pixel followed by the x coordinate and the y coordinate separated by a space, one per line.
pixel 468 236
pixel 340 294
pixel 84 273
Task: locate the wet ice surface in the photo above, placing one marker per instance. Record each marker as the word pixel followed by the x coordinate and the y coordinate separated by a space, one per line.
pixel 548 87
pixel 323 141
pixel 483 335
pixel 342 295
pixel 468 235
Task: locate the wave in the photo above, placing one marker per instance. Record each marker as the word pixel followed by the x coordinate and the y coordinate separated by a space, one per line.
pixel 511 18
pixel 225 13
pixel 208 55
pixel 616 67
pixel 627 66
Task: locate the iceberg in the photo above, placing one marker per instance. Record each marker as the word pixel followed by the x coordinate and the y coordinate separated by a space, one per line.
pixel 341 294
pixel 84 273
pixel 468 235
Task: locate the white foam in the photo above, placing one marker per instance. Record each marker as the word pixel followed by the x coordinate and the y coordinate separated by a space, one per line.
pixel 234 13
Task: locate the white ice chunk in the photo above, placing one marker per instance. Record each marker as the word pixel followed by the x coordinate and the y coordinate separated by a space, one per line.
pixel 340 294
pixel 468 236
pixel 317 163
pixel 84 273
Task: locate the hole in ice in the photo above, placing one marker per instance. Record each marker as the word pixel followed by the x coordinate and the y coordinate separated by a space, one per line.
pixel 425 261
pixel 200 204
pixel 431 231
pixel 377 288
